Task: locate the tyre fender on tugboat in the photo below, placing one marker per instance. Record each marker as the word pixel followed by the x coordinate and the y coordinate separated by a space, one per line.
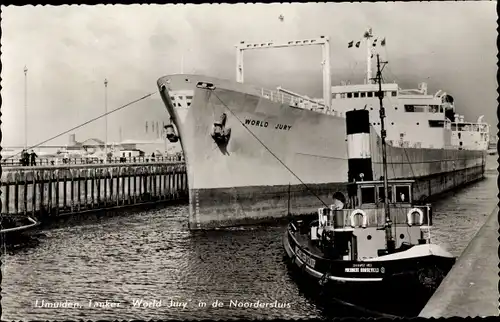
pixel 359 212
pixel 409 216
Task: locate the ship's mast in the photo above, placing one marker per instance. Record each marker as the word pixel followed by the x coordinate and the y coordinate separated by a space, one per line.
pixel 368 35
pixel 388 223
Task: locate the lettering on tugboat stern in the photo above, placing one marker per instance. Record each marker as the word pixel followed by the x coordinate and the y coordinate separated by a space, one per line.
pixel 305 258
pixel 284 127
pixel 362 268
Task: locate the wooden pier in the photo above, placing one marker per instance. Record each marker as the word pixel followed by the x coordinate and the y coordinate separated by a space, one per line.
pixel 45 192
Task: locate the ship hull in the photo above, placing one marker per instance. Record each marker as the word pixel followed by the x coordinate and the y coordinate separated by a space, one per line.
pixel 280 159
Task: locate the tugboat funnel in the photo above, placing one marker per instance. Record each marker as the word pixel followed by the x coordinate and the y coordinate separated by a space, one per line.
pixel 358 146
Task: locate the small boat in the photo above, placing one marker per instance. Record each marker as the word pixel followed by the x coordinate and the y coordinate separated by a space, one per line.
pixel 372 249
pixel 14 229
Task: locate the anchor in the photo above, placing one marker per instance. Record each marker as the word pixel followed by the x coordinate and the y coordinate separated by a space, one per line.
pixel 170 132
pixel 220 133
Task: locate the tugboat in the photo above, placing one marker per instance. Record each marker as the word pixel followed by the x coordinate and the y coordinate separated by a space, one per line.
pixel 373 250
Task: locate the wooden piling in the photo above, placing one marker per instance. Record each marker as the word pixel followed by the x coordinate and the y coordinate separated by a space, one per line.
pixel 57 193
pixel 86 189
pixel 25 194
pixel 135 186
pixel 160 183
pixel 92 184
pixel 42 191
pixel 16 194
pixel 129 194
pixel 49 193
pixel 98 188
pixel 7 198
pixel 33 196
pixel 123 179
pixel 144 178
pixel 65 191
pixel 72 192
pixel 111 179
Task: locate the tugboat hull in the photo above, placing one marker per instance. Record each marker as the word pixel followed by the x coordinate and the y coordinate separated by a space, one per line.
pixel 381 287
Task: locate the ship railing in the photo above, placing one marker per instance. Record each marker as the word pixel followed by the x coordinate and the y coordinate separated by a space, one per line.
pixel 469 127
pixel 285 98
pixel 298 101
pixel 404 144
pixel 15 162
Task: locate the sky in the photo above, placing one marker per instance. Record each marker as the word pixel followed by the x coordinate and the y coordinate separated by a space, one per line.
pixel 70 50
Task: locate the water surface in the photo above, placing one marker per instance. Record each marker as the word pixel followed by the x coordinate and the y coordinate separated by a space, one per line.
pixel 151 255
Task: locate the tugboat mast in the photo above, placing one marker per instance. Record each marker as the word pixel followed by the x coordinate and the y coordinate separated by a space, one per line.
pixel 388 223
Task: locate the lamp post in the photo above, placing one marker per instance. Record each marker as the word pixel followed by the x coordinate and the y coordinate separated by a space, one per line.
pixel 106 119
pixel 25 108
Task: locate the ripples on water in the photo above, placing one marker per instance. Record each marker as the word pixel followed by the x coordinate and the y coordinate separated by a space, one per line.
pixel 151 255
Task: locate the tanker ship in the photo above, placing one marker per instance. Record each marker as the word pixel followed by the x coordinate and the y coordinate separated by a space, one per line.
pixel 254 154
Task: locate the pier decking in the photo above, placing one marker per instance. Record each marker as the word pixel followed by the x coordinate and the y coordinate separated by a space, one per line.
pixel 471 287
pixel 57 190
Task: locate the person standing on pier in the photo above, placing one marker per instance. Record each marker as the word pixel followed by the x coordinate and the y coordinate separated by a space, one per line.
pixel 33 157
pixel 24 158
